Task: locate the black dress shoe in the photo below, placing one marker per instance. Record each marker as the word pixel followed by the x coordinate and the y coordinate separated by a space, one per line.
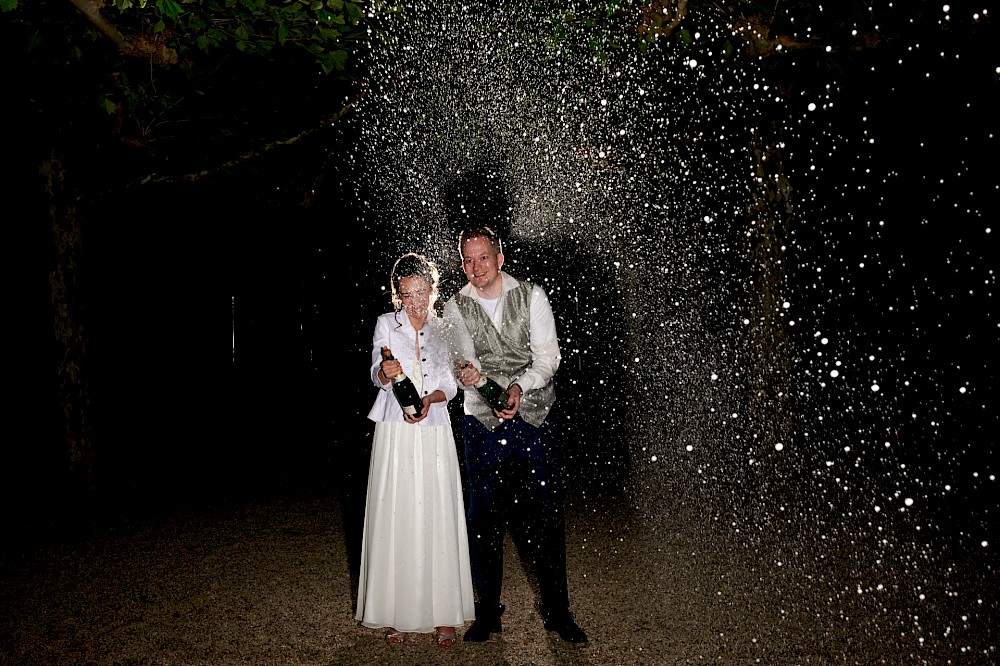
pixel 484 625
pixel 564 625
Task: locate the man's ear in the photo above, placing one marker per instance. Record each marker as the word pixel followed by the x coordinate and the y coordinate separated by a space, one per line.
pixel 499 260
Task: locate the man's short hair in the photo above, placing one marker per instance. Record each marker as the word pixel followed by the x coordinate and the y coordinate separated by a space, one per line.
pixel 479 232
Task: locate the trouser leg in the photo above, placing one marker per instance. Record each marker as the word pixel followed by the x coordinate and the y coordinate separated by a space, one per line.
pixel 543 515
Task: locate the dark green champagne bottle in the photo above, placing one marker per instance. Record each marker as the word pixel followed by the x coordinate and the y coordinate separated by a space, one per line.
pixel 495 396
pixel 403 388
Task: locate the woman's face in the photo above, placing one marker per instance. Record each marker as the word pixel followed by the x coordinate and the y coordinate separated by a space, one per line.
pixel 415 294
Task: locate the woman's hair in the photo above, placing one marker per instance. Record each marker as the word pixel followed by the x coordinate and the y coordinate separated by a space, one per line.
pixel 479 232
pixel 409 265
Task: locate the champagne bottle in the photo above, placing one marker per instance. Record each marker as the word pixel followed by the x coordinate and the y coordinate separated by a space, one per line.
pixel 403 388
pixel 495 396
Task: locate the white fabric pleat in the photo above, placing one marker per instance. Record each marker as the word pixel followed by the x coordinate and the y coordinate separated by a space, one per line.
pixel 415 572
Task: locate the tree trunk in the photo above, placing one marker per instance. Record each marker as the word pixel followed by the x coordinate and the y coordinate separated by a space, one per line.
pixel 73 371
pixel 770 217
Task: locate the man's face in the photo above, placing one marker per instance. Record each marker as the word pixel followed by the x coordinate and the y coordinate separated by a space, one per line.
pixel 481 264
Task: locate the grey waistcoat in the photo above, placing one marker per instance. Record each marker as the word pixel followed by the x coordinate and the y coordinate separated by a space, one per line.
pixel 505 354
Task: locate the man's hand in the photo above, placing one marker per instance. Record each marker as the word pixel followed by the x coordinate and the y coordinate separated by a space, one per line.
pixel 468 375
pixel 514 395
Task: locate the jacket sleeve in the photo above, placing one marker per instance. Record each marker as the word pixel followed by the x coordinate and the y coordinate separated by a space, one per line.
pixel 379 339
pixel 444 374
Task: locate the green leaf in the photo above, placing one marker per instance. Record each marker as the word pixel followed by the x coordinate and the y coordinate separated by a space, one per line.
pixel 337 5
pixel 282 33
pixel 334 60
pixel 109 106
pixel 353 12
pixel 159 27
pixel 328 34
pixel 8 5
pixel 171 8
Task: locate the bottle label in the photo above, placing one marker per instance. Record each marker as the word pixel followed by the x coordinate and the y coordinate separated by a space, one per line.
pixel 494 395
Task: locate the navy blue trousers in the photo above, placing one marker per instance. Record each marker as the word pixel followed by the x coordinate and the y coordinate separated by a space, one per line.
pixel 513 484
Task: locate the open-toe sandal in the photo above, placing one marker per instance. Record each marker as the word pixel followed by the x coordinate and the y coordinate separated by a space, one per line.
pixel 394 636
pixel 445 637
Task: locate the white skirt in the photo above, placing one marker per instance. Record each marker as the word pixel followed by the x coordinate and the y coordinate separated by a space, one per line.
pixel 415 573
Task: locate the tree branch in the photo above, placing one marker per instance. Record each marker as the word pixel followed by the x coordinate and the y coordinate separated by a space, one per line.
pixel 660 17
pixel 154 48
pixel 252 154
pixel 757 34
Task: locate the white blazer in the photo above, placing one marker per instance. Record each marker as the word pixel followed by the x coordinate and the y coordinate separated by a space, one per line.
pixel 435 366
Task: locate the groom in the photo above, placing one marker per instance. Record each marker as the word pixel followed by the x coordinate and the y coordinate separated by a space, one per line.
pixel 503 328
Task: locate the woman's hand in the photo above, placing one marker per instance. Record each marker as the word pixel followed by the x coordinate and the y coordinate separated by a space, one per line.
pixel 389 369
pixel 426 400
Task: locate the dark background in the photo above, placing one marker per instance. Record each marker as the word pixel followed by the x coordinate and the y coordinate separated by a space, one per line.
pixel 170 270
pixel 182 414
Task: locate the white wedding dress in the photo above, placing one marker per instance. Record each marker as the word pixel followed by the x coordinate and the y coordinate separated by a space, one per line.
pixel 415 572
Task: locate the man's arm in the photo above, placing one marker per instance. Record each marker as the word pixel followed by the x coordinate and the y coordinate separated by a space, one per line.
pixel 545 354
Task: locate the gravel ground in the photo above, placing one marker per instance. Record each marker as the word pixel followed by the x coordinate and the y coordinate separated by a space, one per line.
pixel 268 582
